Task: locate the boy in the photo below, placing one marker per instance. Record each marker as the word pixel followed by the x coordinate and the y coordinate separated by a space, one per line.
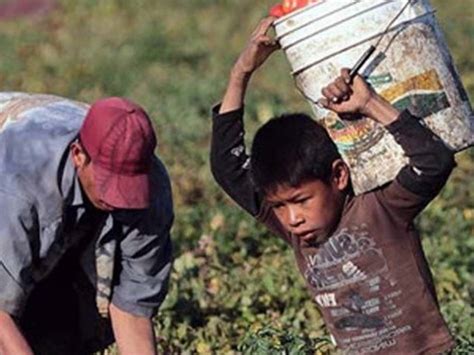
pixel 361 257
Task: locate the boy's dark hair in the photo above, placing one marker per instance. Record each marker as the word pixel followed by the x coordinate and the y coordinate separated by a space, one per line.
pixel 289 150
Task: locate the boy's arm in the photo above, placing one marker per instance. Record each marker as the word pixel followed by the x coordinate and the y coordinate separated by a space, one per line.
pixel 257 51
pixel 430 161
pixel 229 161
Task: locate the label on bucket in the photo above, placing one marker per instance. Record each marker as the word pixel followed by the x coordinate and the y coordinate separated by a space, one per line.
pixel 288 6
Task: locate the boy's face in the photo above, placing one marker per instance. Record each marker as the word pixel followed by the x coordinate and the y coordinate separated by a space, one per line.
pixel 312 210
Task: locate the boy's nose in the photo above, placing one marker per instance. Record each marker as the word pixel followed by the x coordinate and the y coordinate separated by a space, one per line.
pixel 295 217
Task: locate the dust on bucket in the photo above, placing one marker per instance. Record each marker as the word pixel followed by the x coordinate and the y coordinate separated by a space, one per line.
pixel 412 68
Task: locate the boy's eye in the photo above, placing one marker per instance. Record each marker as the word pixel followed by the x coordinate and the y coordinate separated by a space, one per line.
pixel 276 206
pixel 301 201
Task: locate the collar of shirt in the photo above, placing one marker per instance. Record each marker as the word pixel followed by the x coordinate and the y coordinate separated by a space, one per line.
pixel 77 197
pixel 69 184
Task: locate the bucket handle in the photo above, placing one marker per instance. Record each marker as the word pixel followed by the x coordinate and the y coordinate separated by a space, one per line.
pixel 355 69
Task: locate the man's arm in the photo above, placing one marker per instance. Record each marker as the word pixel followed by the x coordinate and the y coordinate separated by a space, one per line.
pixel 11 339
pixel 17 226
pixel 143 269
pixel 141 287
pixel 430 160
pixel 134 334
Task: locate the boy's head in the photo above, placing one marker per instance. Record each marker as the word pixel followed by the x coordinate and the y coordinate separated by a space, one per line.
pixel 298 169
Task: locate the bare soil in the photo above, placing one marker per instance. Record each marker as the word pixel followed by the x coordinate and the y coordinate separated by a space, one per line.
pixel 11 9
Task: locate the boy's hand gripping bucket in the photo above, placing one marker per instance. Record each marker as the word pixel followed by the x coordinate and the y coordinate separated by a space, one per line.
pixel 412 68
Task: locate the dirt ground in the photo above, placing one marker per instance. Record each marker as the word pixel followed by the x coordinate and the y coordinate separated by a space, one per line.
pixel 11 9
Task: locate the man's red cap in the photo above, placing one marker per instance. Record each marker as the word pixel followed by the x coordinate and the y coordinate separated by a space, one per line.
pixel 118 136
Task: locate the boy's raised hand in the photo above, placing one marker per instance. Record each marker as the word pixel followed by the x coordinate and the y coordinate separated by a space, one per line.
pixel 350 98
pixel 258 49
pixel 346 96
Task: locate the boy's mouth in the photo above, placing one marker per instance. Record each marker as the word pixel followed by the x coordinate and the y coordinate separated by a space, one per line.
pixel 313 237
pixel 308 235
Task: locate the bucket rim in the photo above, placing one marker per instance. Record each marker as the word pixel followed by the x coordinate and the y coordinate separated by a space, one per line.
pixel 296 12
pixel 288 32
pixel 298 71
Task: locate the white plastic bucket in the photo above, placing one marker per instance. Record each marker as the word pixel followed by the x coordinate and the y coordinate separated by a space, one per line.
pixel 412 68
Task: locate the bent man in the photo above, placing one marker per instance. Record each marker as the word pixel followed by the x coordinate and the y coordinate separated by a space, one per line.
pixel 86 209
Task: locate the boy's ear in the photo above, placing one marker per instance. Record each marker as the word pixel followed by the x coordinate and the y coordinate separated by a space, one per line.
pixel 78 156
pixel 340 175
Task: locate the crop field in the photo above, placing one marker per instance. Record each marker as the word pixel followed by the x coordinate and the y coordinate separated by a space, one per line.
pixel 235 288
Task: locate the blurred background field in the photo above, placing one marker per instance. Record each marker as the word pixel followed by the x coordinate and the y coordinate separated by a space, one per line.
pixel 235 287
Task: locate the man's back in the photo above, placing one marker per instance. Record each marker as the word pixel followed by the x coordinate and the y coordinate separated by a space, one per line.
pixel 34 145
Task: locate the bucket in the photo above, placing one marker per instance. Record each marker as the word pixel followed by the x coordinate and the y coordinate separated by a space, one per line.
pixel 15 106
pixel 412 68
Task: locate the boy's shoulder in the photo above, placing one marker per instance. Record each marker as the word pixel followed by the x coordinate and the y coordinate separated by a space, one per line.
pixel 391 201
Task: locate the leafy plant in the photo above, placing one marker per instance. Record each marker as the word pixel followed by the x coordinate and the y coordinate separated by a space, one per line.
pixel 234 287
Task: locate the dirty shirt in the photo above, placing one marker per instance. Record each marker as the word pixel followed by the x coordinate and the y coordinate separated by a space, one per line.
pixel 44 215
pixel 370 278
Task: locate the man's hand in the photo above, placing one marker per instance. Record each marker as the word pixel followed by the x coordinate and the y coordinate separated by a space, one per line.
pixel 258 49
pixel 348 98
pixel 134 335
pixel 11 339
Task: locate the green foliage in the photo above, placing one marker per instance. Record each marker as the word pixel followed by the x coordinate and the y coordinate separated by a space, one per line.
pixel 235 287
pixel 273 341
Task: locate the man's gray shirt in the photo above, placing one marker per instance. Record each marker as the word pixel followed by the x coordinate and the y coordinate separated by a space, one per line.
pixel 43 214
